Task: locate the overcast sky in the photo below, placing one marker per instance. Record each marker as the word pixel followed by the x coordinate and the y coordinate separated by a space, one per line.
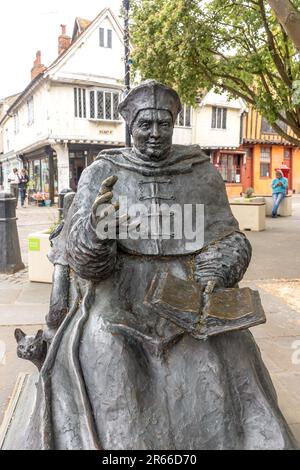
pixel 30 25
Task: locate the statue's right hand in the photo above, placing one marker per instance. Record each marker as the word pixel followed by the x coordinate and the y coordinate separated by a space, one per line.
pixel 104 213
pixel 103 201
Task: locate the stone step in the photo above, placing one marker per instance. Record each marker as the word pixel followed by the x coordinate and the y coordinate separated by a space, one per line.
pixel 18 412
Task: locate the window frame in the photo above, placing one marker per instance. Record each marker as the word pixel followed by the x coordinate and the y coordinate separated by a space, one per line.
pixel 105 37
pixel 94 116
pixel 266 127
pixel 30 111
pixel 219 115
pixel 263 147
pixel 16 123
pixel 80 102
pixel 235 166
pixel 184 111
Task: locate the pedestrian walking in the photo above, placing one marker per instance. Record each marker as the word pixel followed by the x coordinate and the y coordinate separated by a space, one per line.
pixel 279 187
pixel 14 179
pixel 23 181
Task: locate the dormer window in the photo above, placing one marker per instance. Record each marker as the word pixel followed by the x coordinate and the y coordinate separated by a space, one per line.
pixel 105 37
pixel 219 118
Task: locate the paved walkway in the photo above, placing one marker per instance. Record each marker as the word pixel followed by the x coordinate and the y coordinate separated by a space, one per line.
pixel 22 304
pixel 274 271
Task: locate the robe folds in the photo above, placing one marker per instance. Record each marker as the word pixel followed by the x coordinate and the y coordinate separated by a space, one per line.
pixel 117 374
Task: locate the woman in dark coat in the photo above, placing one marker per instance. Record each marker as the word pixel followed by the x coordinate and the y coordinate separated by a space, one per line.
pixel 23 181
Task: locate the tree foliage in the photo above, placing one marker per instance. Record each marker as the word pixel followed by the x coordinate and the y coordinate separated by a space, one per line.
pixel 238 46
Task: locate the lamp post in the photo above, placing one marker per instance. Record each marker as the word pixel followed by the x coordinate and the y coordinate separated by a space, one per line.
pixel 126 6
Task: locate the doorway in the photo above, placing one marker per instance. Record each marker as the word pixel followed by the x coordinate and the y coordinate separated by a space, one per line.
pixel 77 165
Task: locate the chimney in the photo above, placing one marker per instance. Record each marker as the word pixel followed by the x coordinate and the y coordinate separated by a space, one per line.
pixel 64 41
pixel 38 67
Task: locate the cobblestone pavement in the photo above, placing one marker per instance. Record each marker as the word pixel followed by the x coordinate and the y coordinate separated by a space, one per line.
pixel 274 271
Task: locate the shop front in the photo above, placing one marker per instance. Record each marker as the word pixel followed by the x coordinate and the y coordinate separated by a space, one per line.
pixel 42 171
pixel 81 156
pixel 7 164
pixel 232 165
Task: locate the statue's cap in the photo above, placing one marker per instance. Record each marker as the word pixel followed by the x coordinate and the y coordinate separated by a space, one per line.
pixel 150 94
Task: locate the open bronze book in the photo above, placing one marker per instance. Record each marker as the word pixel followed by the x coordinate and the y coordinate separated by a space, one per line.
pixel 180 301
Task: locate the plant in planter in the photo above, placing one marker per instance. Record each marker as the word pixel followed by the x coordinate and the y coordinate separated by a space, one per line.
pixel 249 193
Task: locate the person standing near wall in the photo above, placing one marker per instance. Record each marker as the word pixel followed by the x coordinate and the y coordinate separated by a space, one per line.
pixel 279 187
pixel 23 180
pixel 14 179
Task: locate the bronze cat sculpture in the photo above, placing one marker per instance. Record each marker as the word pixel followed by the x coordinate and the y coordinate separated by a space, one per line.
pixel 32 348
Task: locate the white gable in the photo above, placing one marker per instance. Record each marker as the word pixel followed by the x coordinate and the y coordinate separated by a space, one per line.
pixel 87 61
pixel 222 100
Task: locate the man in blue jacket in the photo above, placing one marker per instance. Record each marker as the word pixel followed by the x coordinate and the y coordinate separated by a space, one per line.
pixel 279 187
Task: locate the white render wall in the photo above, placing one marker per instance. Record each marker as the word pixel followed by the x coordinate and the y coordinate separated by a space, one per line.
pixel 28 134
pixel 64 125
pixel 183 135
pixel 54 118
pixel 92 62
pixel 205 136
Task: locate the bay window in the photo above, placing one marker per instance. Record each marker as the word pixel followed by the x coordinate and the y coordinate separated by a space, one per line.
pixel 96 104
pixel 104 105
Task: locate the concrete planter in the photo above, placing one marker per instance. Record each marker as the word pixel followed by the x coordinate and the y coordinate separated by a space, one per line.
pixel 285 208
pixel 40 268
pixel 251 215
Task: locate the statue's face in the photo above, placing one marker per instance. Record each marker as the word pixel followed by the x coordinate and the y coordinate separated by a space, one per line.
pixel 152 133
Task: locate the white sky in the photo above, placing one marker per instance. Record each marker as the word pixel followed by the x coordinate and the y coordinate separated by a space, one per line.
pixel 30 25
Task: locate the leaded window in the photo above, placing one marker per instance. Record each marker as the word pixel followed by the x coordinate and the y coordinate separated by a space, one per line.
pixel 96 104
pixel 92 104
pixel 104 105
pixel 100 107
pixel 116 98
pixel 83 103
pixel 108 100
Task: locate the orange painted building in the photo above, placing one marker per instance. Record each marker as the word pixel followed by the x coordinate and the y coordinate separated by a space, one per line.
pixel 266 151
pixel 253 164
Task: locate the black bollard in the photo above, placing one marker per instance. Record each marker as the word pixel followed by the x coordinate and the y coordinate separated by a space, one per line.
pixel 10 253
pixel 61 197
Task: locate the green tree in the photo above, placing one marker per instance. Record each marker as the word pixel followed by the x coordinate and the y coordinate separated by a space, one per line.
pixel 238 46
